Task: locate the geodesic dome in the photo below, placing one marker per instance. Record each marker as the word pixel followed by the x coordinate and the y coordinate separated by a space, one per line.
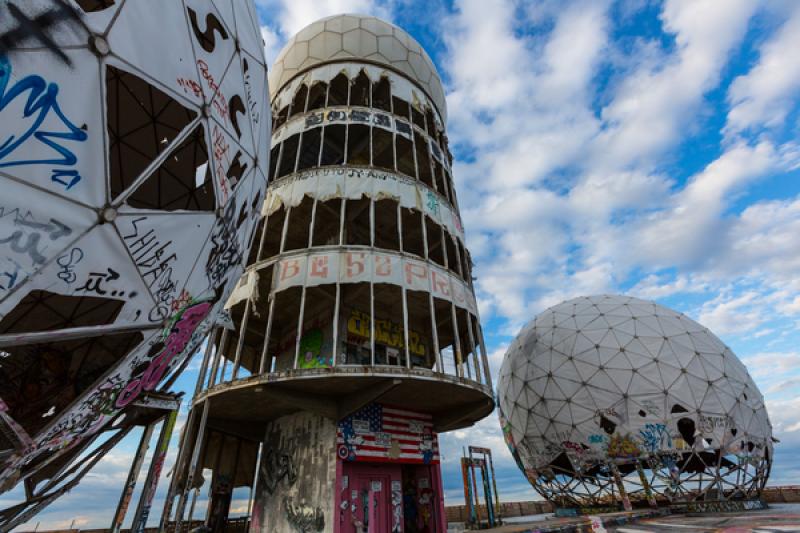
pixel 358 37
pixel 134 143
pixel 604 386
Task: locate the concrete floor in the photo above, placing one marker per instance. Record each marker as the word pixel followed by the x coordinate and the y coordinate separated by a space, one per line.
pixel 778 518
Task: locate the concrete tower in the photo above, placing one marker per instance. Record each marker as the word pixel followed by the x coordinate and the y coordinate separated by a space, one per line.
pixel 355 336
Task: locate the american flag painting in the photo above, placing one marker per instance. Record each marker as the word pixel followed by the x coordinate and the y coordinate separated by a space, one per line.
pixel 381 433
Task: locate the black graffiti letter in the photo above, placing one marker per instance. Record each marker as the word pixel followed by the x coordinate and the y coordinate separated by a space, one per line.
pixel 236 169
pixel 206 38
pixel 236 106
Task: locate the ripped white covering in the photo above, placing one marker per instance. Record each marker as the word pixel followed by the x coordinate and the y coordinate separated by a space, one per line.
pixel 401 87
pixel 352 183
pixel 355 266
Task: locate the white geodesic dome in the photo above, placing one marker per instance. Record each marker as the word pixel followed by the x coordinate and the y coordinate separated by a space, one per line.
pixel 134 146
pixel 608 382
pixel 362 38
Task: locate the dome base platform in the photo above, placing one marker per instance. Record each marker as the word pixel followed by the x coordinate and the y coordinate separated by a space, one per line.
pixel 335 393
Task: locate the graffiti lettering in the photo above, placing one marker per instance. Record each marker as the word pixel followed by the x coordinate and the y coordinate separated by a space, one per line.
pixel 60 175
pixel 166 288
pixel 235 107
pixel 149 252
pixel 219 100
pixel 225 251
pixel 24 242
pixel 221 148
pixel 95 283
pixel 41 103
pixel 252 103
pixel 11 274
pixel 67 263
pixel 206 38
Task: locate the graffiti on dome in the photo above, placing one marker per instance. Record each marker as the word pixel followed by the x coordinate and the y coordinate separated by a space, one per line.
pixel 654 437
pixel 35 104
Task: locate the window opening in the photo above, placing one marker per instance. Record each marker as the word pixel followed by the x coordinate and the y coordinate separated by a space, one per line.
pixel 183 181
pixel 386 230
pixel 273 160
pixel 309 149
pixel 356 223
pixel 337 94
pixel 359 92
pixel 280 117
pixel 401 107
pixel 283 336
pixel 272 239
pixel 412 232
pixel 317 95
pixel 417 118
pixel 453 258
pixel 389 332
pixel 435 246
pixel 382 148
pixel 444 330
pixel 299 225
pixel 289 155
pixel 316 337
pixel 358 145
pixel 420 327
pixel 326 222
pixel 382 94
pixel 142 121
pixel 355 331
pixel 405 156
pixel 333 145
pixel 299 101
pixel 430 122
pixel 423 160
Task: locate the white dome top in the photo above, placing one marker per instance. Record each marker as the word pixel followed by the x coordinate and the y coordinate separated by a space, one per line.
pixel 358 37
pixel 602 377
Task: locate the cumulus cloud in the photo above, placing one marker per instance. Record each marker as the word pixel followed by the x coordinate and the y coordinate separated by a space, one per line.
pixel 763 97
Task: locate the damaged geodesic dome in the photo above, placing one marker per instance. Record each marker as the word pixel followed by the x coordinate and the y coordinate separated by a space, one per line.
pixel 606 395
pixel 134 150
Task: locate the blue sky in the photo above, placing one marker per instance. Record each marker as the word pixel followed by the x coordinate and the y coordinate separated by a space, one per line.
pixel 636 146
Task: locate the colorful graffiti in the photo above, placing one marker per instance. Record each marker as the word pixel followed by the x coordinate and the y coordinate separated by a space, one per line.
pixel 175 342
pixel 655 437
pixel 311 352
pixel 622 447
pixel 387 333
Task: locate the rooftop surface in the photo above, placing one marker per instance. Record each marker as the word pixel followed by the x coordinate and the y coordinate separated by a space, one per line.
pixel 779 517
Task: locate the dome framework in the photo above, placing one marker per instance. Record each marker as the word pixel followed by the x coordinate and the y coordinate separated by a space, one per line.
pixel 610 398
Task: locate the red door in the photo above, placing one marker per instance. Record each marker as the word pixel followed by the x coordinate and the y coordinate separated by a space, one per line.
pixel 367 502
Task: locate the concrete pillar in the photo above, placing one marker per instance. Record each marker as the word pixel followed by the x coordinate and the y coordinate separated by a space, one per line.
pixel 295 489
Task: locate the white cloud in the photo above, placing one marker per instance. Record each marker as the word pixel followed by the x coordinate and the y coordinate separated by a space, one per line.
pixel 764 96
pixel 653 106
pixel 732 315
pixel 272 44
pixel 287 17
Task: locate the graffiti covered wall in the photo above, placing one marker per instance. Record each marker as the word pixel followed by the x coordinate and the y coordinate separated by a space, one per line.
pixel 296 476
